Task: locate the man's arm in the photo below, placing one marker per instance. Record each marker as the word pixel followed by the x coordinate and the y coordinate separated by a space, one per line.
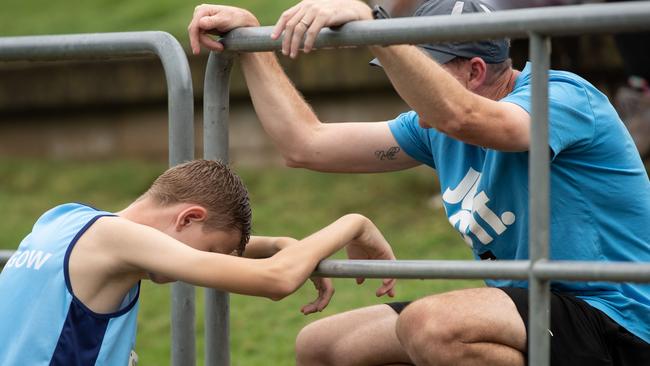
pixel 303 139
pixel 139 248
pixel 439 99
pixel 444 104
pixel 290 122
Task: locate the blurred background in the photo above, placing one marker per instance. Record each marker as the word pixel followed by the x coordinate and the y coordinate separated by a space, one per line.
pixel 96 132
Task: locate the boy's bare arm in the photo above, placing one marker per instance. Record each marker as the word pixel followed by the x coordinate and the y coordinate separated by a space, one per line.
pixel 267 246
pixel 142 249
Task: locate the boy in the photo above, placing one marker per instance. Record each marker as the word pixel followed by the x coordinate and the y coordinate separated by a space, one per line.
pixel 70 292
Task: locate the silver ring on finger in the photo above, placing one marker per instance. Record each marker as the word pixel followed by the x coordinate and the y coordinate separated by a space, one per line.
pixel 303 22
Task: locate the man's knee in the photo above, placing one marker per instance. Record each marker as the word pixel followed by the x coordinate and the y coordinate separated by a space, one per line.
pixel 312 348
pixel 431 331
pixel 424 321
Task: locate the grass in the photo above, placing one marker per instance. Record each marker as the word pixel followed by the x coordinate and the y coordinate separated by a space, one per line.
pixel 31 17
pixel 285 202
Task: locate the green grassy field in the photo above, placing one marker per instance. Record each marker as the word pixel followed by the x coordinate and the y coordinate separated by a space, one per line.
pixel 30 17
pixel 285 202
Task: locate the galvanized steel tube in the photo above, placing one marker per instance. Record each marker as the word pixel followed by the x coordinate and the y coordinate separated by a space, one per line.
pixel 215 147
pixel 470 269
pixel 421 269
pixel 181 122
pixel 539 197
pixel 550 21
pixel 4 256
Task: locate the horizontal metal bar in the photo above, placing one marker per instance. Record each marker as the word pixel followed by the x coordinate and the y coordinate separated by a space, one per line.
pixel 4 256
pixel 84 46
pixel 454 269
pixel 593 271
pixel 549 21
pixel 421 269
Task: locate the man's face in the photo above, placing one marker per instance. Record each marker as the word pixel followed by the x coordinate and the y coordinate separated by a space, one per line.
pixel 215 241
pixel 458 69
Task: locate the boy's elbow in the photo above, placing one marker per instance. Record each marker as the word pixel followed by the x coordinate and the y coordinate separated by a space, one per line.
pixel 282 281
pixel 281 289
pixel 295 160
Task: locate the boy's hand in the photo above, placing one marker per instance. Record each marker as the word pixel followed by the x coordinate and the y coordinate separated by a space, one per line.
pixel 216 19
pixel 310 16
pixel 371 244
pixel 325 293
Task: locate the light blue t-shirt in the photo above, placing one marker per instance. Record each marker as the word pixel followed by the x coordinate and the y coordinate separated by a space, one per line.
pixel 41 321
pixel 600 192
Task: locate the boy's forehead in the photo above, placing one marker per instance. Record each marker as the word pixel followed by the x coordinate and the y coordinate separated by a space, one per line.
pixel 225 241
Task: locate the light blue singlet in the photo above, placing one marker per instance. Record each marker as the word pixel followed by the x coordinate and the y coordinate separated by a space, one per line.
pixel 41 321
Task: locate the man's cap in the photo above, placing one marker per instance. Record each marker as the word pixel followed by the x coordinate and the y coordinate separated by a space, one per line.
pixel 491 51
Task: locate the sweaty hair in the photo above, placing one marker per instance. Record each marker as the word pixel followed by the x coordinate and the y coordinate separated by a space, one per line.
pixel 212 185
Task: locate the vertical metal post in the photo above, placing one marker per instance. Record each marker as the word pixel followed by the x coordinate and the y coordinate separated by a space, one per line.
pixel 539 185
pixel 181 149
pixel 215 144
pixel 180 99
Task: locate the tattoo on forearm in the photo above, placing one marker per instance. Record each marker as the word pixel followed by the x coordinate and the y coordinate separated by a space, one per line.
pixel 390 154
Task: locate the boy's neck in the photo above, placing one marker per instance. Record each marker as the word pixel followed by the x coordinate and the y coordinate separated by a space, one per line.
pixel 143 211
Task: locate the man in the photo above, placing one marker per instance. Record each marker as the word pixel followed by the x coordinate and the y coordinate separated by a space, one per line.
pixel 471 123
pixel 70 292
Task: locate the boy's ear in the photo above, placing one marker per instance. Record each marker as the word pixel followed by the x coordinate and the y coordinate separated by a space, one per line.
pixel 189 215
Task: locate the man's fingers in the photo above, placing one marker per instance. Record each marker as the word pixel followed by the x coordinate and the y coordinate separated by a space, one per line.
pixel 210 43
pixel 211 22
pixel 194 38
pixel 282 21
pixel 312 33
pixel 194 29
pixel 289 29
pixel 299 33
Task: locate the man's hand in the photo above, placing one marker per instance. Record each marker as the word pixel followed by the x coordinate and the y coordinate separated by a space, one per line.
pixel 310 16
pixel 216 19
pixel 371 244
pixel 325 293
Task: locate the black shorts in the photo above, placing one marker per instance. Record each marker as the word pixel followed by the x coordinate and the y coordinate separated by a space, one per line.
pixel 582 334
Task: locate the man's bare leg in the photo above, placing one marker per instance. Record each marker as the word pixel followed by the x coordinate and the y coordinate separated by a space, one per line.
pixel 465 327
pixel 360 337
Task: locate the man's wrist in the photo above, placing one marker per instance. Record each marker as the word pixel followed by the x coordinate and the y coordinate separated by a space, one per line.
pixel 365 12
pixel 252 19
pixel 379 12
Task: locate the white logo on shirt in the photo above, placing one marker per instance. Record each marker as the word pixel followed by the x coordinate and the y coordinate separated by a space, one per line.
pixel 472 203
pixel 28 258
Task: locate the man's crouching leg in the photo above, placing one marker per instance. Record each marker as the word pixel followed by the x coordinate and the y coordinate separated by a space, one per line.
pixel 360 337
pixel 465 327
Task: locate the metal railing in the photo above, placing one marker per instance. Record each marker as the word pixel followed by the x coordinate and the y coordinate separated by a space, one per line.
pixel 536 24
pixel 180 101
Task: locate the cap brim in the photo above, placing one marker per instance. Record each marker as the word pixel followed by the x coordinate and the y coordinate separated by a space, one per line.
pixel 439 56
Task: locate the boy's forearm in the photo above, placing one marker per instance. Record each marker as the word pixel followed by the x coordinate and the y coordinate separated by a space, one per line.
pixel 298 261
pixel 266 246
